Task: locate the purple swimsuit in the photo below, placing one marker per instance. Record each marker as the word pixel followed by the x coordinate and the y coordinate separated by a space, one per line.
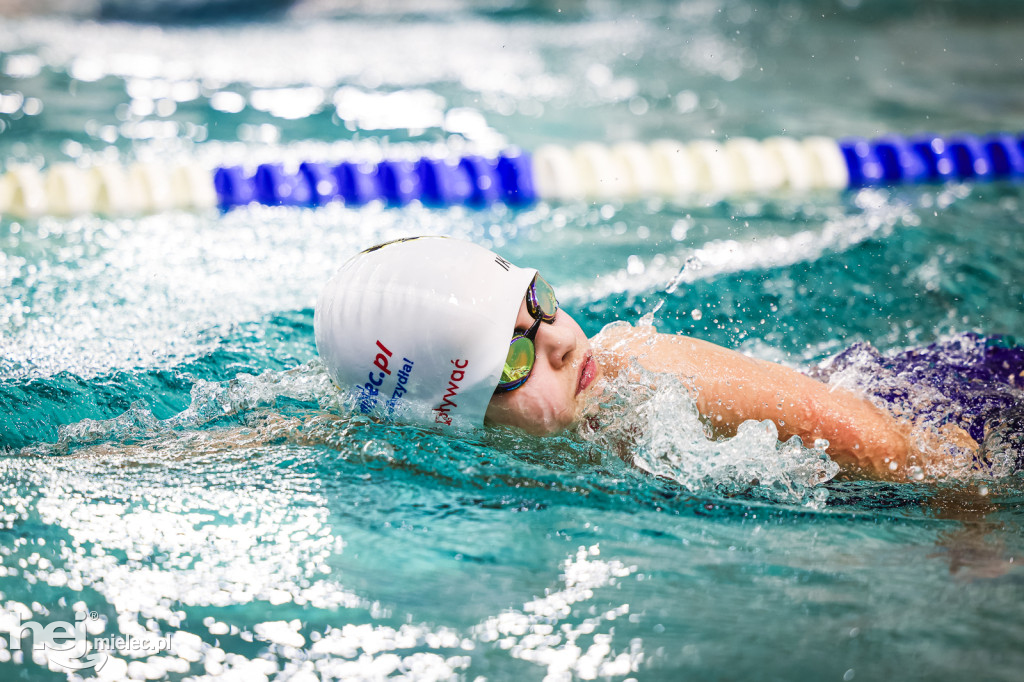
pixel 973 381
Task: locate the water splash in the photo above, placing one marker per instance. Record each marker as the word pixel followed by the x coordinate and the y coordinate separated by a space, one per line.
pixel 648 419
pixel 717 257
pixel 964 381
pixel 210 401
pixel 652 421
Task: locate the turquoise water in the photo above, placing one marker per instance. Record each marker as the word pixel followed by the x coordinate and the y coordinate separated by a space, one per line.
pixel 175 462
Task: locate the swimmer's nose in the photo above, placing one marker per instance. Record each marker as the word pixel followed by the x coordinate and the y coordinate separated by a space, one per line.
pixel 556 342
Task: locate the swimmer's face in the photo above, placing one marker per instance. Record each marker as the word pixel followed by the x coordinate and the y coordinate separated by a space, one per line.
pixel 563 369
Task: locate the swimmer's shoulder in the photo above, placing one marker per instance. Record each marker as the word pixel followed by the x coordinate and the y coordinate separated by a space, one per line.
pixel 621 345
pixel 623 337
pixel 613 333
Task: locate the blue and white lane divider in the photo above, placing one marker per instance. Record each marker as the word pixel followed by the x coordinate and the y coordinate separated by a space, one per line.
pixel 588 171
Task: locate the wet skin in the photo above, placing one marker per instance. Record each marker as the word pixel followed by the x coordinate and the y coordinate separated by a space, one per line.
pixel 564 368
pixel 728 388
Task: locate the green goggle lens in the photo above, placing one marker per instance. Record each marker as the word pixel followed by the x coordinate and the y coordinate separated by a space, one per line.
pixel 541 301
pixel 519 361
pixel 543 307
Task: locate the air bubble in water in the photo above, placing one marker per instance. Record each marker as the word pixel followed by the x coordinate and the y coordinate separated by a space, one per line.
pixel 378 449
pixel 691 265
pixel 915 473
pixel 696 314
pixel 679 229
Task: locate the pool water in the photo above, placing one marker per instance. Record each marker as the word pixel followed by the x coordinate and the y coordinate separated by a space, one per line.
pixel 178 471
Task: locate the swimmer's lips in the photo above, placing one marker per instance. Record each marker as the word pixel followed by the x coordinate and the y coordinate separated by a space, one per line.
pixel 587 373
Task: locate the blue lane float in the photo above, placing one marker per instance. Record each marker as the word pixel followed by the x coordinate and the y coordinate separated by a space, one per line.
pixel 937 156
pixel 484 181
pixel 233 187
pixel 1007 154
pixel 928 157
pixel 900 163
pixel 862 162
pixel 971 157
pixel 470 180
pixel 323 184
pixel 275 187
pixel 357 182
pixel 443 183
pixel 515 174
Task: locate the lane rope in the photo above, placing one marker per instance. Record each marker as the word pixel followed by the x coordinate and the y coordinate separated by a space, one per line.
pixel 682 171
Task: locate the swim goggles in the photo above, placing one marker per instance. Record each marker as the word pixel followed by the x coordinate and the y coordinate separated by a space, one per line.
pixel 542 306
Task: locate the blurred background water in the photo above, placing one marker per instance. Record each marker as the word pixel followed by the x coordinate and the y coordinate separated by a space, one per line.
pixel 175 463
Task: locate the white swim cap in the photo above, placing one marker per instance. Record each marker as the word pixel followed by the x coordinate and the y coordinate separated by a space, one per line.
pixel 419 328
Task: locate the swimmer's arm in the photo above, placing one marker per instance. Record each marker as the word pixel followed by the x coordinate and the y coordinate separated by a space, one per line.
pixel 730 388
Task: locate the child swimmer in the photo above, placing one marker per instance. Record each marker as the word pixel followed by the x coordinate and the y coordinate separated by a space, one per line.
pixel 442 331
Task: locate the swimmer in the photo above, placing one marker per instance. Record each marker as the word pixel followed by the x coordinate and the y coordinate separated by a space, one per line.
pixel 441 331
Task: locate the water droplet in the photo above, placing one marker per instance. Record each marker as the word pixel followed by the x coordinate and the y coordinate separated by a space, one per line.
pixel 679 229
pixel 378 448
pixel 638 106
